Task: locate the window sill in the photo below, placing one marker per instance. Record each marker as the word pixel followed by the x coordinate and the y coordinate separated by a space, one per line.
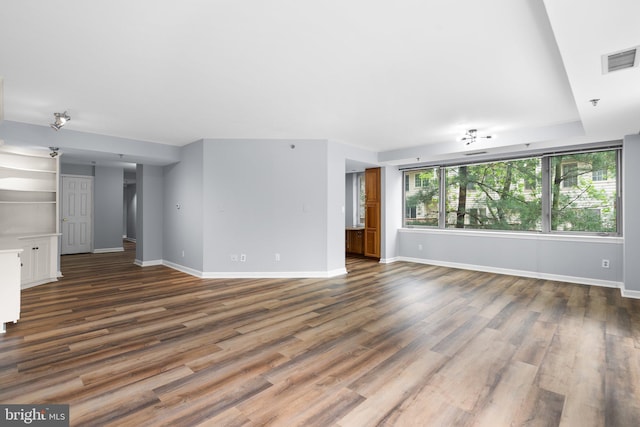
pixel 517 235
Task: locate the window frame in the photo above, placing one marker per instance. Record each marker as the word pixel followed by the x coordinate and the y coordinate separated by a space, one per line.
pixel 360 210
pixel 545 191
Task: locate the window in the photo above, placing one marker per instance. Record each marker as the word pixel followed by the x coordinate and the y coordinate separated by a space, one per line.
pixel 361 199
pixel 421 202
pixel 492 196
pixel 599 175
pixel 569 175
pixel 577 204
pixel 569 192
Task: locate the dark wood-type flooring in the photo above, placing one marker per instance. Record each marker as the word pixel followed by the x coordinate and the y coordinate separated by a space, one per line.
pixel 399 344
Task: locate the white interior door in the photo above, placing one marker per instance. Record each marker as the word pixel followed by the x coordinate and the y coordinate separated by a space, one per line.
pixel 77 217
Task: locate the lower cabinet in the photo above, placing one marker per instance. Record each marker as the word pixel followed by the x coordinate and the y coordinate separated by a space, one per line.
pixel 355 241
pixel 38 259
pixel 9 287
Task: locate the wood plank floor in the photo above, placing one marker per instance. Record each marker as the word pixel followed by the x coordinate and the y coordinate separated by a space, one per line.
pixel 395 345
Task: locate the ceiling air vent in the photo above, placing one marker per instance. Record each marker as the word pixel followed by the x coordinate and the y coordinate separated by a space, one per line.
pixel 620 60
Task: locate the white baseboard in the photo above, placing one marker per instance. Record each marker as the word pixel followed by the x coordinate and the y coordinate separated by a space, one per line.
pixel 38 283
pixel 275 274
pixel 629 293
pixel 256 274
pixel 108 250
pixel 128 239
pixel 389 260
pixel 147 263
pixel 521 273
pixel 183 269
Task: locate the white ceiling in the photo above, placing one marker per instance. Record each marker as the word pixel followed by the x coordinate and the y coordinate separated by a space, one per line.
pixel 384 75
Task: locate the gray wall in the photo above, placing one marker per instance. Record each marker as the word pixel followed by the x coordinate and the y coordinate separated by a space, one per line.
pixel 261 197
pixel 130 210
pixel 335 188
pixel 631 207
pixel 391 215
pixel 72 169
pixel 572 257
pixel 150 217
pixel 183 227
pixel 108 207
pixel 350 202
pixel 134 151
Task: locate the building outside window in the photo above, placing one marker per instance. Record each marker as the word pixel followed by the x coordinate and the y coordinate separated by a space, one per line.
pixel 361 199
pixel 584 204
pixel 422 199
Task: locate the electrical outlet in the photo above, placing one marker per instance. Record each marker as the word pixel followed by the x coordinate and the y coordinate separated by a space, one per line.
pixel 243 257
pixel 277 257
pixel 183 253
pixel 605 263
pixel 234 257
pixel 420 247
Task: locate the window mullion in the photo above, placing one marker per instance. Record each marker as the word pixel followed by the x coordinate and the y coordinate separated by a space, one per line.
pixel 546 194
pixel 442 205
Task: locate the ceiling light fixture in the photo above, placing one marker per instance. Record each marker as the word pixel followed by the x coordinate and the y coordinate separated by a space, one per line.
pixel 471 136
pixel 61 120
pixel 594 101
pixel 54 151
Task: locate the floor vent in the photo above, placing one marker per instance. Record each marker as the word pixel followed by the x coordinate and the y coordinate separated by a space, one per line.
pixel 620 60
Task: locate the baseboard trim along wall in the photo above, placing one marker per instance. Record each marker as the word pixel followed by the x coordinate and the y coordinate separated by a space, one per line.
pixel 531 274
pixel 342 271
pixel 108 250
pixel 38 283
pixel 246 274
pixel 629 293
pixel 275 274
pixel 147 263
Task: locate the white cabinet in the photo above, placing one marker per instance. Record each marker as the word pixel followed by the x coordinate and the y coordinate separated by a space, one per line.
pixel 29 211
pixel 9 287
pixel 36 261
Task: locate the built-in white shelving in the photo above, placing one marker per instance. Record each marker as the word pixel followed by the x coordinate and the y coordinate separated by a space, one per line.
pixel 29 218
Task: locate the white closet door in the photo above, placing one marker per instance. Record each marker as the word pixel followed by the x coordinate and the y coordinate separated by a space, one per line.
pixel 77 216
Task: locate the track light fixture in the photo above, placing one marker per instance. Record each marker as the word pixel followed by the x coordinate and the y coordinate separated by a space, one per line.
pixel 471 136
pixel 61 120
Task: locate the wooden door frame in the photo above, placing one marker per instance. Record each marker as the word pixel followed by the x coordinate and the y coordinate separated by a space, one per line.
pixel 373 203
